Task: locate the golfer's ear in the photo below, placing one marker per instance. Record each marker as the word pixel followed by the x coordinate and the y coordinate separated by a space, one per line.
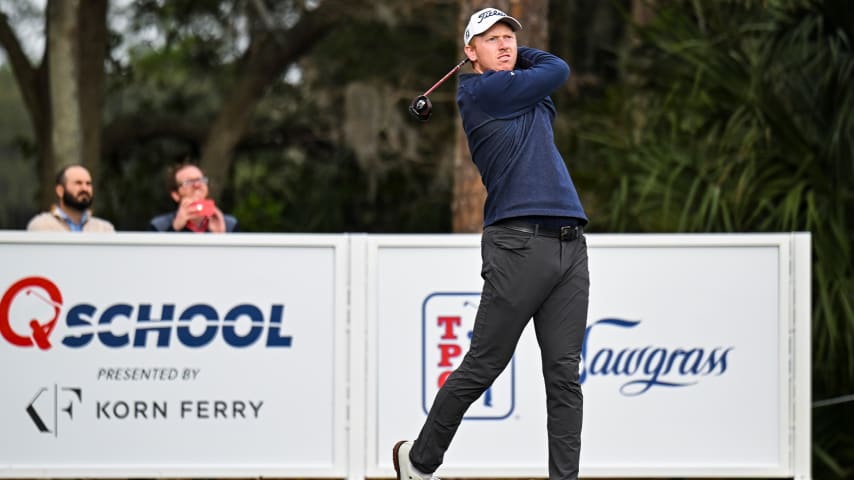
pixel 470 53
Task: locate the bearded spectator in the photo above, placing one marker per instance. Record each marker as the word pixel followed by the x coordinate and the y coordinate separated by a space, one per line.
pixel 72 212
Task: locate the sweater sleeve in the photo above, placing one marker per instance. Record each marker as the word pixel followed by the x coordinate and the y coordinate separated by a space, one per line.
pixel 508 93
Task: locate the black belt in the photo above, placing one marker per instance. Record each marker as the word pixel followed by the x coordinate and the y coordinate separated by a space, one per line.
pixel 565 234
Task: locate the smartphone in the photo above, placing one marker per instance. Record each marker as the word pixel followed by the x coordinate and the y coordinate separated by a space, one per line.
pixel 204 207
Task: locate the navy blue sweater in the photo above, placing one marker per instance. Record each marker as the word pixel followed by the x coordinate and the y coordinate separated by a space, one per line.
pixel 507 117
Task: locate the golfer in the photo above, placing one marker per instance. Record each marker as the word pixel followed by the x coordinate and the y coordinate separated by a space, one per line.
pixel 533 246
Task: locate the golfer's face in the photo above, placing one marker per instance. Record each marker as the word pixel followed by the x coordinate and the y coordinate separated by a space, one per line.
pixel 494 49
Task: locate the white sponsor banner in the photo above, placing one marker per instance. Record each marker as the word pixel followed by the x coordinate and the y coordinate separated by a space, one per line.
pixel 299 356
pixel 173 355
pixel 688 367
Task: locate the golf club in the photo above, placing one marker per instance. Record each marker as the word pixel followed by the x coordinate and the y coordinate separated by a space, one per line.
pixel 421 107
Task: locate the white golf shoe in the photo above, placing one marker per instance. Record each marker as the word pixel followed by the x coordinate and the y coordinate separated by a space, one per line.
pixel 404 468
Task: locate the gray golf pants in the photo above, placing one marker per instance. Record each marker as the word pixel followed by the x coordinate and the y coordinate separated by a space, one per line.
pixel 525 275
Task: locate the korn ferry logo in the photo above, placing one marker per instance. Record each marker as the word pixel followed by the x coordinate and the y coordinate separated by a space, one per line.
pixel 45 407
pixel 32 307
pixel 447 324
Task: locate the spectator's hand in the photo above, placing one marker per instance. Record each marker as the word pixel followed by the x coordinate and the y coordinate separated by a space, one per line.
pixel 216 222
pixel 185 214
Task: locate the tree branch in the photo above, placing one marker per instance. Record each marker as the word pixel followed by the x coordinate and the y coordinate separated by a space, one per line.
pixel 143 126
pixel 26 75
pixel 268 54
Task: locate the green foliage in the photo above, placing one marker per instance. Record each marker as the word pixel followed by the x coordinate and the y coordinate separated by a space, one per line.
pixel 300 168
pixel 17 187
pixel 338 198
pixel 737 117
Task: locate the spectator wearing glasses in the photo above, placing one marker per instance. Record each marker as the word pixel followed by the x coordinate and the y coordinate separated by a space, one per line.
pixel 71 213
pixel 196 212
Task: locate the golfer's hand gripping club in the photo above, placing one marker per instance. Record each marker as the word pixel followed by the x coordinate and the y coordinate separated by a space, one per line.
pixel 421 107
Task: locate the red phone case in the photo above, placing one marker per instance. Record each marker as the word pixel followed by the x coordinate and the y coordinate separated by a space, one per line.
pixel 204 207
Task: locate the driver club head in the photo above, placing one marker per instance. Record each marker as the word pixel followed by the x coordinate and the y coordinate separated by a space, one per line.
pixel 421 108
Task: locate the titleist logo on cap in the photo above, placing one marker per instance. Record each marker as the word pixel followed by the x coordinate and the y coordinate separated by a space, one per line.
pixel 482 20
pixel 490 13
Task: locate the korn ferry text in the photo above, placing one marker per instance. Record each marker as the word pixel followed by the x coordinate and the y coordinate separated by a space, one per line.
pixel 181 409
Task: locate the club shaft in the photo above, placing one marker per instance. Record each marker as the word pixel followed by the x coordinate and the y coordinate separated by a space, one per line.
pixel 447 75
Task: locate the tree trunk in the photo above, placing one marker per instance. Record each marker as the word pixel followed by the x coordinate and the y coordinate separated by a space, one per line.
pixel 228 128
pixel 469 192
pixel 92 41
pixel 64 95
pixel 642 11
pixel 66 139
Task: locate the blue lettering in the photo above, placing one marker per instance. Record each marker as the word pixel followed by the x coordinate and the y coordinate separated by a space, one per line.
pixel 274 334
pixel 650 366
pixel 714 362
pixel 197 326
pixel 185 335
pixel 602 357
pixel 105 336
pixel 605 321
pixel 692 367
pixel 677 353
pixel 654 362
pixel 230 334
pixel 79 316
pixel 631 364
pixel 653 367
pixel 145 325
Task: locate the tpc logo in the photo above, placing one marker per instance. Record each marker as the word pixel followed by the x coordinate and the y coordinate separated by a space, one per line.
pixel 447 324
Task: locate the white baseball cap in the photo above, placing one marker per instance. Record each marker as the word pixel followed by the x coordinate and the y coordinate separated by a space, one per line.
pixel 483 20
